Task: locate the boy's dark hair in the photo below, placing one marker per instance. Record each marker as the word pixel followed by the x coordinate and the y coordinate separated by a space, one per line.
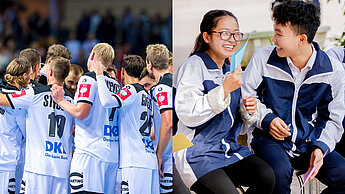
pixel 303 17
pixel 134 65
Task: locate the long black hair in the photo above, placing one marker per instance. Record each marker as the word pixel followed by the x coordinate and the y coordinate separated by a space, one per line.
pixel 209 22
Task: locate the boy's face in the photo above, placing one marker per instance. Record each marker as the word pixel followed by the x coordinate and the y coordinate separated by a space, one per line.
pixel 286 40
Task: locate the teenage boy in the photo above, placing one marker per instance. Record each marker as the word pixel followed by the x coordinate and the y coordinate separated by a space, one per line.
pixel 300 91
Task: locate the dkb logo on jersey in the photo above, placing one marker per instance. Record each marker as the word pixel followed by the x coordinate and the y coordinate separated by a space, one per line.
pixel 12 186
pixel 111 133
pixel 84 90
pixel 56 148
pixel 76 180
pixel 162 98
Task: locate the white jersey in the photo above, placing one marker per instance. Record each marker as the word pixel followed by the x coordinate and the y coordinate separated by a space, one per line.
pixel 12 132
pixel 48 131
pixel 162 94
pixel 136 148
pixel 134 119
pixel 96 135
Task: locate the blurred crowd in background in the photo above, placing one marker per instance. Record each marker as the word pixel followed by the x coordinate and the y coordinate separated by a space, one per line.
pixel 129 33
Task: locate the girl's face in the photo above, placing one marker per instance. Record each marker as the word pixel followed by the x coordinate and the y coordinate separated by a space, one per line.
pixel 222 49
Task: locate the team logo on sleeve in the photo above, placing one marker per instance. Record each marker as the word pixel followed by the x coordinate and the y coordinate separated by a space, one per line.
pixel 162 98
pixel 84 90
pixel 124 93
pixel 19 94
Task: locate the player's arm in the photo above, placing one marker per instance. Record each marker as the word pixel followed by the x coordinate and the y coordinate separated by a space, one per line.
pixel 4 100
pixel 80 110
pixel 164 137
pixel 165 132
pixel 108 100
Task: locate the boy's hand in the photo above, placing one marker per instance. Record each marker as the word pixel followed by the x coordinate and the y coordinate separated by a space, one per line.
pixel 315 157
pixel 278 129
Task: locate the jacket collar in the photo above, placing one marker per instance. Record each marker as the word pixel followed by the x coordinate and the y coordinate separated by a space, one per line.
pixel 321 65
pixel 210 64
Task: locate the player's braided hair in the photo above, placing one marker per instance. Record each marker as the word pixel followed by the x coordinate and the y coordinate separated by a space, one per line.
pixel 15 70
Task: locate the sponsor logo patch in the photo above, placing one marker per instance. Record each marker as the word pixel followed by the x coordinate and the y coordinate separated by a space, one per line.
pixel 84 90
pixel 12 186
pixel 124 93
pixel 76 180
pixel 162 98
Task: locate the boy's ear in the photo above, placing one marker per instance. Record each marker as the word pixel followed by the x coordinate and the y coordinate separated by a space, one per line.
pixel 303 39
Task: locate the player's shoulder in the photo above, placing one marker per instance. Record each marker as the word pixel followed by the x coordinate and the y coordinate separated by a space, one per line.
pixel 7 88
pixel 134 88
pixel 38 89
pixel 166 79
pixel 68 93
pixel 91 74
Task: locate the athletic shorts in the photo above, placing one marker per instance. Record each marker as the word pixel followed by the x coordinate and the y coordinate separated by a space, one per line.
pixel 166 183
pixel 118 181
pixel 36 183
pixel 93 175
pixel 19 175
pixel 139 180
pixel 7 182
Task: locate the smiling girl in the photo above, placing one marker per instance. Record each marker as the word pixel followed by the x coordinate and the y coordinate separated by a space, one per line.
pixel 207 104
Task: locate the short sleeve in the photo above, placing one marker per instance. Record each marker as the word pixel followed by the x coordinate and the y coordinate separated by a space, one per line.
pixel 86 90
pixel 21 99
pixel 126 95
pixel 163 95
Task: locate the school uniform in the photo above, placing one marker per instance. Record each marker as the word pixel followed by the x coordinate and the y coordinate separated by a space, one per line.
pixel 338 52
pixel 311 100
pixel 208 120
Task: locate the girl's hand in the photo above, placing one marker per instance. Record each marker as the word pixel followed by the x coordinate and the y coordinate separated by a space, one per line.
pixel 232 81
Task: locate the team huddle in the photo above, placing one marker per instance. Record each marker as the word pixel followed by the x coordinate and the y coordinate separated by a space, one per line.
pixel 122 136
